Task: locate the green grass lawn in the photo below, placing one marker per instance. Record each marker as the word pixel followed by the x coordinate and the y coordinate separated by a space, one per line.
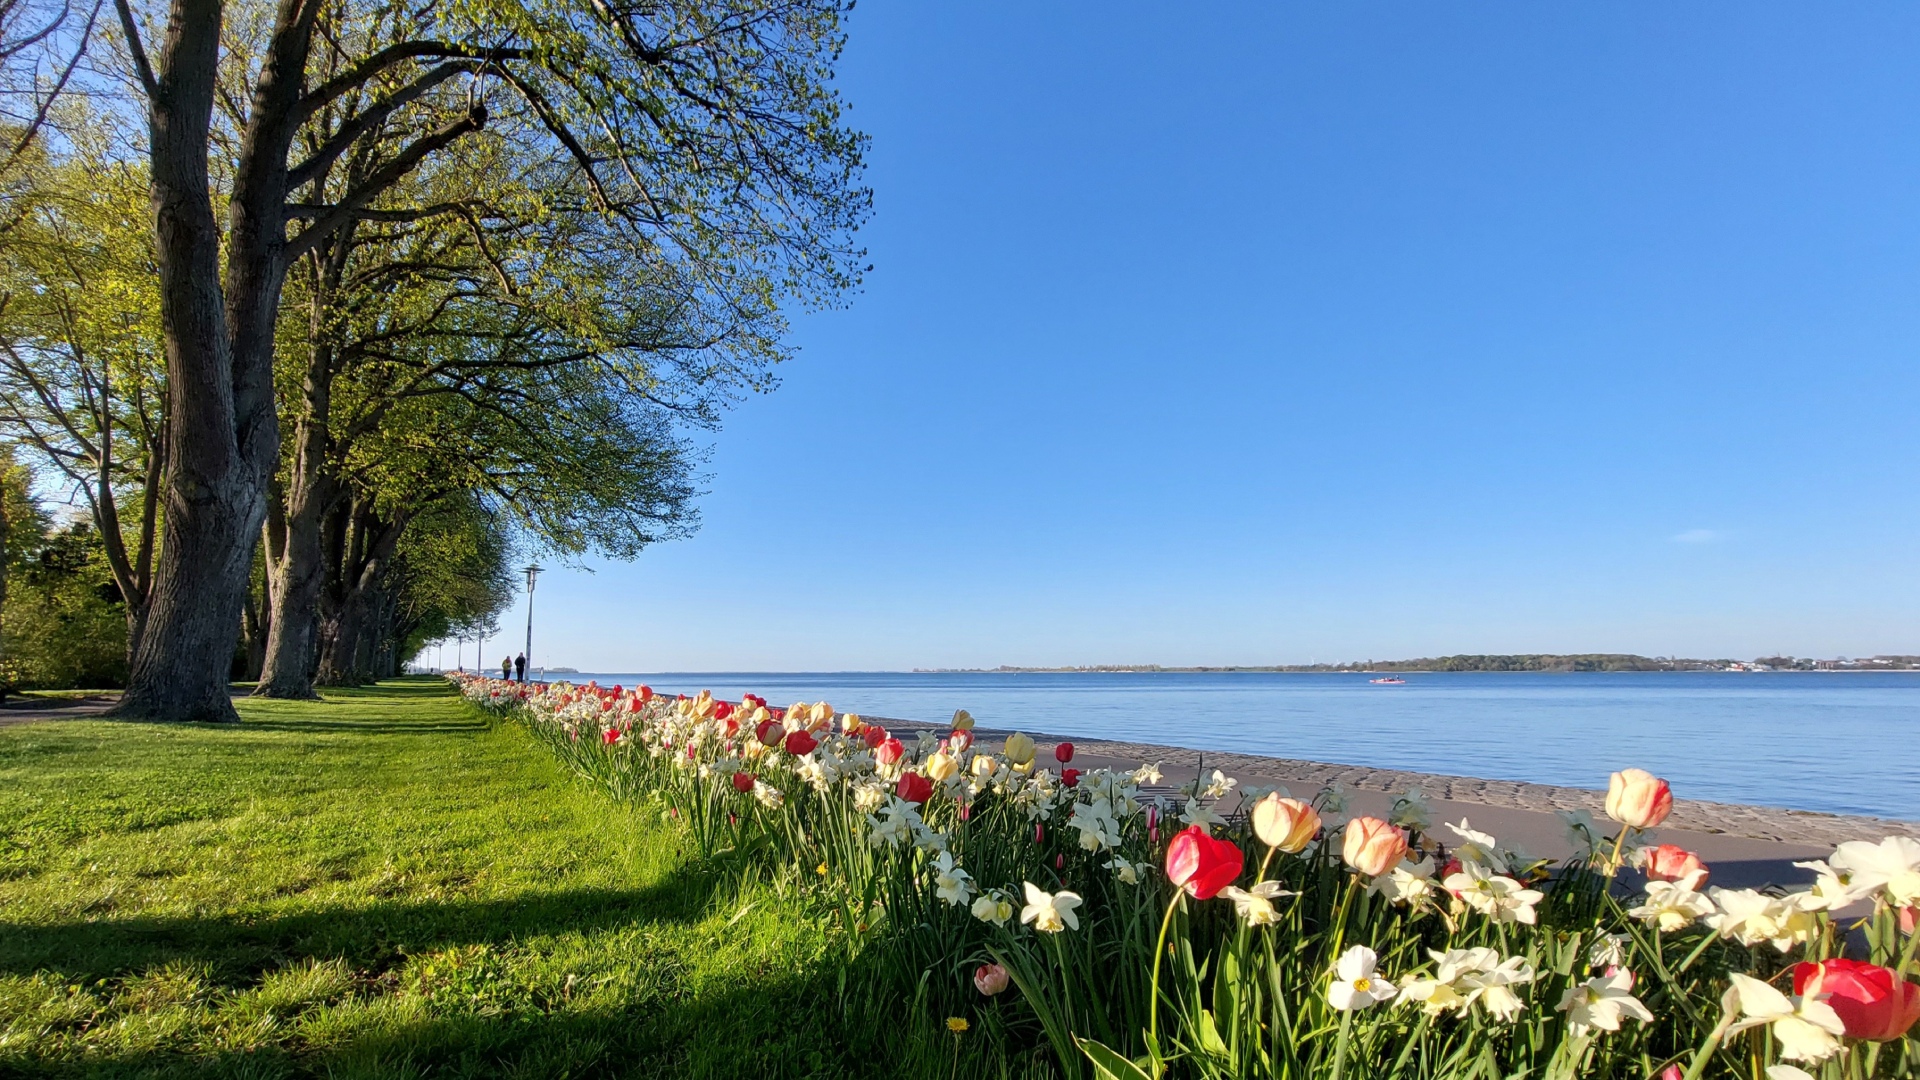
pixel 381 884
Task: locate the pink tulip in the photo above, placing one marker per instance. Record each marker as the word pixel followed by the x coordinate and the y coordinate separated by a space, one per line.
pixel 1668 862
pixel 1638 798
pixel 990 979
pixel 1373 847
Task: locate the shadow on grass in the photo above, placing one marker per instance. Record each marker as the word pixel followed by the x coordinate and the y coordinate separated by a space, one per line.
pixel 775 1030
pixel 373 937
pixel 463 725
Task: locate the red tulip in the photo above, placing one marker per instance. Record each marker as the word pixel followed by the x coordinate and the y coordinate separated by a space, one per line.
pixel 722 710
pixel 743 782
pixel 889 752
pixel 1070 777
pixel 1871 1001
pixel 1039 833
pixel 1063 753
pixel 959 741
pixel 800 743
pixel 646 692
pixel 769 733
pixel 873 735
pixel 612 736
pixel 1059 862
pixel 1669 862
pixel 733 727
pixel 1201 864
pixel 914 788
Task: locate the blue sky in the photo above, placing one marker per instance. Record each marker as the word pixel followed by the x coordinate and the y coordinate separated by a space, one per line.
pixel 1269 333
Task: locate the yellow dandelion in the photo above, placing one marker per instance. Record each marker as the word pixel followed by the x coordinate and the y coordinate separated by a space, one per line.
pixel 956 1024
pixel 821 869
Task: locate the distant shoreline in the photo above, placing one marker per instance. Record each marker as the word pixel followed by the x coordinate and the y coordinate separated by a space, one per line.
pixel 1477 662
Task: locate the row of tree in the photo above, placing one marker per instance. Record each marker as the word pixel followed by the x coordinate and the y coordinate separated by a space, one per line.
pixel 319 308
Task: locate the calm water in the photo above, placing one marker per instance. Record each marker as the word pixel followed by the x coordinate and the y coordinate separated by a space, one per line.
pixel 1846 742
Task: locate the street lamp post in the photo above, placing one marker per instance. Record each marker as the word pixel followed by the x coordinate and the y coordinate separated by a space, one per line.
pixel 533 571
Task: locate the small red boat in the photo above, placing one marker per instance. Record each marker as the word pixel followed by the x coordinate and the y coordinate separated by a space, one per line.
pixel 1388 681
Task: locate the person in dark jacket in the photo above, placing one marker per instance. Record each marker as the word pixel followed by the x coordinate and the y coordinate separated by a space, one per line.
pixel 520 667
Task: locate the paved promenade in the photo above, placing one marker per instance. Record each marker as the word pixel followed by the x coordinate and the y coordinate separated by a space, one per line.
pixel 1744 845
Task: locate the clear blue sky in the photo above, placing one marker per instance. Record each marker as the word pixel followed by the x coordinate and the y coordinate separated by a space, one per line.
pixel 1277 332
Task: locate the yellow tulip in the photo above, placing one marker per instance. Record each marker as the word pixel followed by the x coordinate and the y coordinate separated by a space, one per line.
pixel 962 720
pixel 983 765
pixel 1018 749
pixel 941 767
pixel 822 712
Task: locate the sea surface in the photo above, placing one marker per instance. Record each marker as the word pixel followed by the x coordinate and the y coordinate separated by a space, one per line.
pixel 1842 742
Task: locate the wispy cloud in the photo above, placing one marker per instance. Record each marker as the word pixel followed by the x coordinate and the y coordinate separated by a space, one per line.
pixel 1697 536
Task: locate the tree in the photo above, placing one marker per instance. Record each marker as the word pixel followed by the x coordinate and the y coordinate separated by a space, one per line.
pixel 501 309
pixel 702 132
pixel 82 382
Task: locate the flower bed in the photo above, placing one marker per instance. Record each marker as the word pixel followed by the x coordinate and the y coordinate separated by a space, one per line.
pixel 1230 932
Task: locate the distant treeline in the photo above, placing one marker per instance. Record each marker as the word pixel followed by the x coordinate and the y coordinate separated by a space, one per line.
pixel 1521 662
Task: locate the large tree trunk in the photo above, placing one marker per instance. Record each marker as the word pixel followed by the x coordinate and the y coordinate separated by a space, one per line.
pixel 186 647
pixel 223 433
pixel 344 657
pixel 295 578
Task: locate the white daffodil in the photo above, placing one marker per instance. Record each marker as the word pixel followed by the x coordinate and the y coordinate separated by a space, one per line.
pixel 994 908
pixel 1256 904
pixel 1355 986
pixel 1751 918
pixel 1892 866
pixel 1408 883
pixel 1465 976
pixel 1218 785
pixel 867 798
pixel 1050 912
pixel 1128 872
pixel 768 795
pixel 1496 896
pixel 950 883
pixel 1788 1072
pixel 1672 905
pixel 1198 813
pixel 1601 1002
pixel 1147 774
pixel 1807 1030
pixel 1609 950
pixel 1477 847
pixel 1412 811
pixel 1098 827
pixel 1831 890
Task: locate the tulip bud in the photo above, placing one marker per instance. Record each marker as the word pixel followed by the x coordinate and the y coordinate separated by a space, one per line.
pixel 941 767
pixel 1018 749
pixel 873 735
pixel 959 741
pixel 646 692
pixel 1063 753
pixel 769 733
pixel 1668 862
pixel 1638 798
pixel 1070 777
pixel 850 724
pixel 983 765
pixel 889 752
pixel 820 713
pixel 962 720
pixel 800 742
pixel 743 782
pixel 1284 824
pixel 722 710
pixel 990 979
pixel 1373 847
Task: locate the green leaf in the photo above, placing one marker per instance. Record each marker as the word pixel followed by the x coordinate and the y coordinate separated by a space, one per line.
pixel 1108 1064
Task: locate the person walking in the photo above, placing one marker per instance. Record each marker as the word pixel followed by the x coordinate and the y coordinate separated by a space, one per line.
pixel 506 667
pixel 520 667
